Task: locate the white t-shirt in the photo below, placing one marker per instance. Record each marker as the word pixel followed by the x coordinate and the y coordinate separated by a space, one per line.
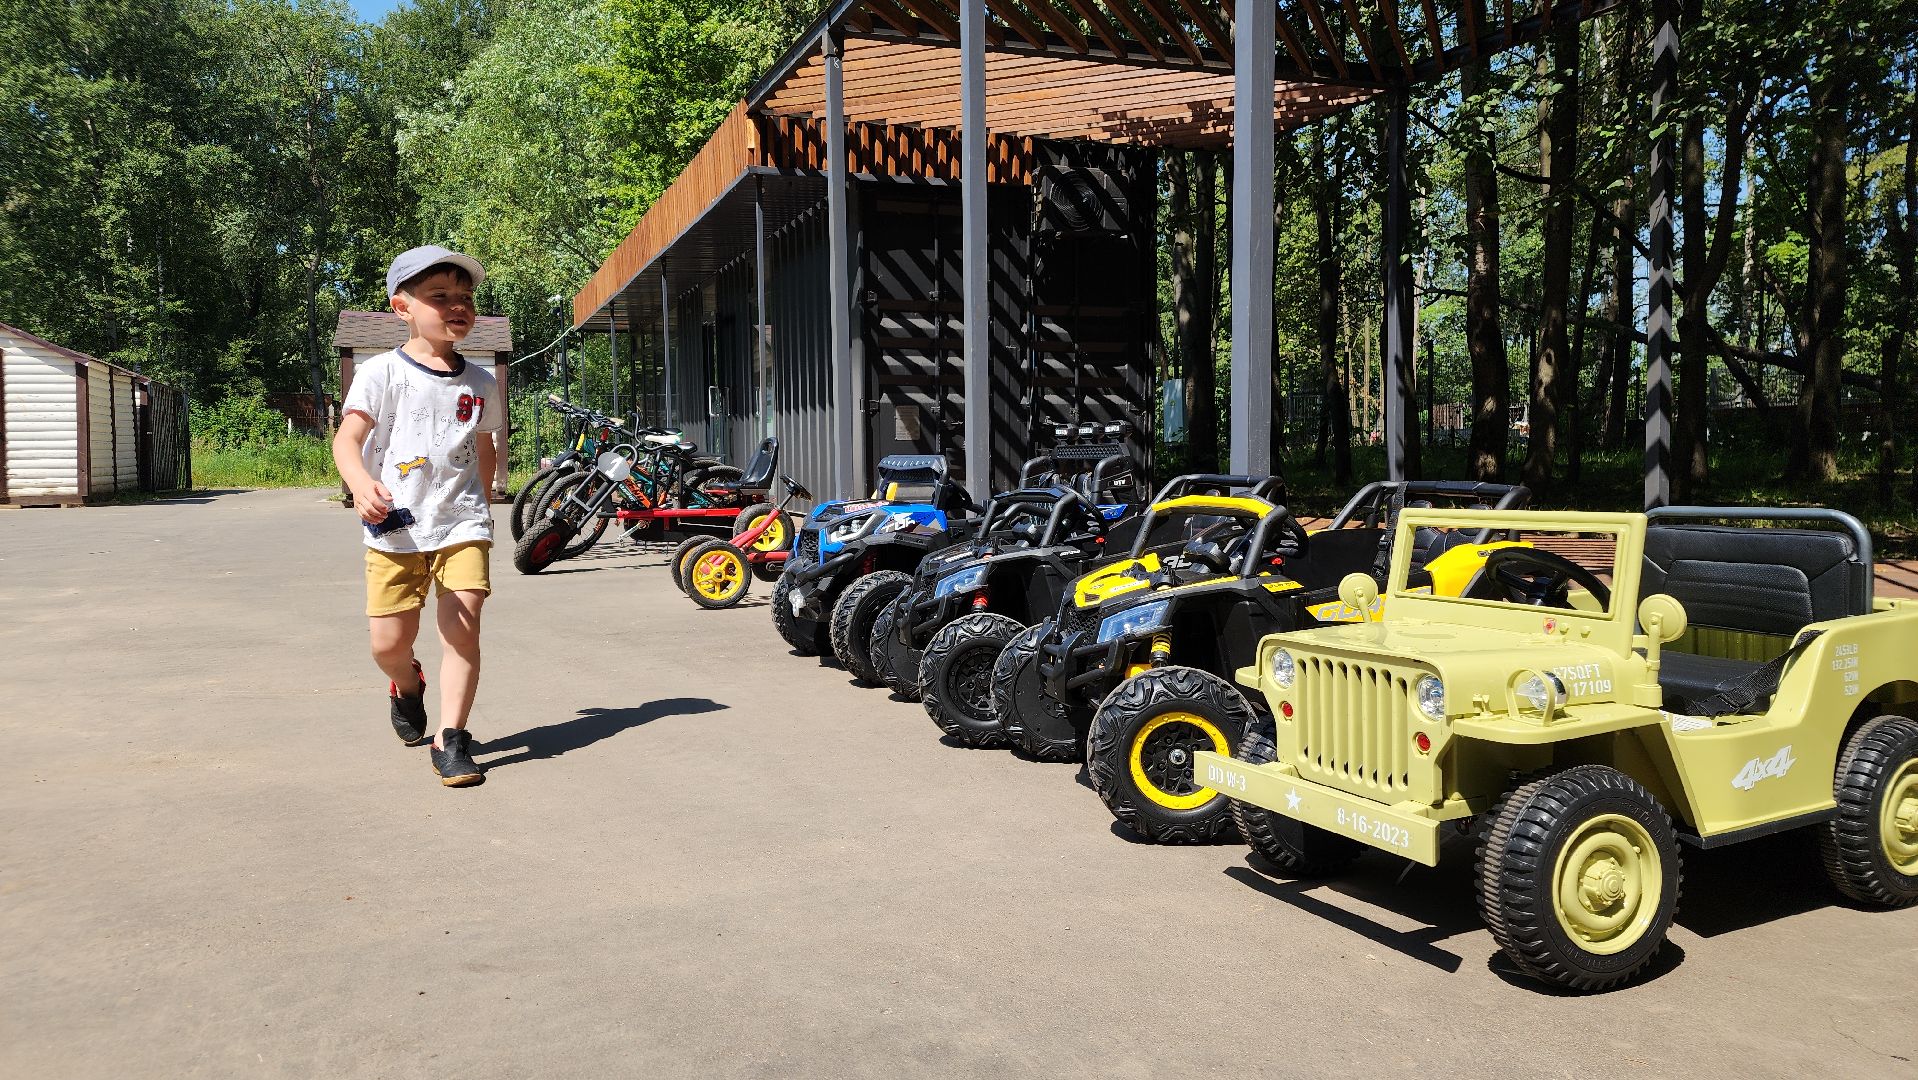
pixel 423 446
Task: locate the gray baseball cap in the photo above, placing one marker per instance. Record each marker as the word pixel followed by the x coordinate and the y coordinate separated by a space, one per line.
pixel 416 261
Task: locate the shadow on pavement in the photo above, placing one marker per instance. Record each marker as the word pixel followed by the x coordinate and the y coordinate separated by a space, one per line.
pixel 1433 906
pixel 1750 884
pixel 589 727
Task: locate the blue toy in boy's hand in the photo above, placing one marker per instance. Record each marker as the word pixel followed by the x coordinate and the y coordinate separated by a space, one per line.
pixel 396 519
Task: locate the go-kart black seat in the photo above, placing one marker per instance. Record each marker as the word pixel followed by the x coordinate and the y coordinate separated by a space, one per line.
pixel 1757 581
pixel 765 462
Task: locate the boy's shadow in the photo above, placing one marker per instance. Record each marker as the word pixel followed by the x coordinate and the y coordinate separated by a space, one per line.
pixel 589 727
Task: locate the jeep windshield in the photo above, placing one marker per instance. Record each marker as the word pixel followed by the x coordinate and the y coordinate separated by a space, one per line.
pixel 1543 571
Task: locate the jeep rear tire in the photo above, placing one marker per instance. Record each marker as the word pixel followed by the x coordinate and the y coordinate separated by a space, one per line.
pixel 1139 753
pixel 955 677
pixel 1038 724
pixel 1578 877
pixel 1294 849
pixel 852 618
pixel 808 637
pixel 1870 848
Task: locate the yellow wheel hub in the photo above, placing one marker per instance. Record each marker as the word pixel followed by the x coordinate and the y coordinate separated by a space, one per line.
pixel 774 538
pixel 1607 884
pixel 718 575
pixel 1898 824
pixel 1161 759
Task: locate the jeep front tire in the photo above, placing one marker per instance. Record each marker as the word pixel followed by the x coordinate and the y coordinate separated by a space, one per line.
pixel 1578 877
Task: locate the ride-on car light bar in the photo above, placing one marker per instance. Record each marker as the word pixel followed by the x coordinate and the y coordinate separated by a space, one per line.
pixel 1133 620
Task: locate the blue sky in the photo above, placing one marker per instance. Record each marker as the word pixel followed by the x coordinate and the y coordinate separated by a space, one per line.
pixel 374 10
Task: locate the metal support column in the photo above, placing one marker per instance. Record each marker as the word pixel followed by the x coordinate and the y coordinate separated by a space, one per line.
pixel 762 368
pixel 612 346
pixel 847 411
pixel 1658 323
pixel 666 418
pixel 1397 275
pixel 975 257
pixel 1252 149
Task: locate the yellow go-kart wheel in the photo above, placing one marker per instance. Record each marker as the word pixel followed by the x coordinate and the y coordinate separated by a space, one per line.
pixel 1579 877
pixel 778 535
pixel 1140 750
pixel 677 563
pixel 717 575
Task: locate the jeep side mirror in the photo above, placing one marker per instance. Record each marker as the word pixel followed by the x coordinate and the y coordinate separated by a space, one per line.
pixel 1359 592
pixel 1662 616
pixel 1663 619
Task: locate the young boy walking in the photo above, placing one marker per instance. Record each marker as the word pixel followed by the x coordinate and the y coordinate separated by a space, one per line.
pixel 415 447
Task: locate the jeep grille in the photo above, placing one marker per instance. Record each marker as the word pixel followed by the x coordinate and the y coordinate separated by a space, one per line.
pixel 809 544
pixel 1354 725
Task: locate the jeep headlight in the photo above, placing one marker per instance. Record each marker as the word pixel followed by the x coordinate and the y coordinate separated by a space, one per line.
pixel 1539 692
pixel 963 581
pixel 1284 669
pixel 1430 693
pixel 1133 620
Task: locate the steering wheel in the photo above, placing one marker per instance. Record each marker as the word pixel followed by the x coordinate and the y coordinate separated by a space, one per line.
pixel 1292 539
pixel 1215 546
pixel 1523 575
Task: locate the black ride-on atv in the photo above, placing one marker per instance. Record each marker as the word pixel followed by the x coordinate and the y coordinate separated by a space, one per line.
pixel 825 597
pixel 1151 643
pixel 939 639
pixel 1098 469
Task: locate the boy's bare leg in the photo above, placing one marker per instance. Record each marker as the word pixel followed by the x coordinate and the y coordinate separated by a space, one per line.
pixel 459 617
pixel 393 637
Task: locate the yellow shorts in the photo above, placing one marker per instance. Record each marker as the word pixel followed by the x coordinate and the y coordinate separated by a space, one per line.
pixel 397 581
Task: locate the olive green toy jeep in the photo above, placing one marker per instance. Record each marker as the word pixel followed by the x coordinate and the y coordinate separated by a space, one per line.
pixel 1707 684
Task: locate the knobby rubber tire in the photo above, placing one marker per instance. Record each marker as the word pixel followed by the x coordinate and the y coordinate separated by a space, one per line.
pixel 1128 709
pixel 541 545
pixel 676 564
pixel 1850 844
pixel 852 618
pixel 1036 723
pixel 1295 849
pixel 1517 859
pixel 807 637
pixel 708 550
pixel 952 650
pixel 539 496
pixel 896 663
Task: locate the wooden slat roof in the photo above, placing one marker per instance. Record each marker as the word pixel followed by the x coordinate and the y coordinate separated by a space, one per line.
pixel 1146 72
pixel 1142 72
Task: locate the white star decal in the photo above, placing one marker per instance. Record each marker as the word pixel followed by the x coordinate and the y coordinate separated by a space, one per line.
pixel 1293 799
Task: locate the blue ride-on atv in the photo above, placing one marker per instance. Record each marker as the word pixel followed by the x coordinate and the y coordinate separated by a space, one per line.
pixel 825 597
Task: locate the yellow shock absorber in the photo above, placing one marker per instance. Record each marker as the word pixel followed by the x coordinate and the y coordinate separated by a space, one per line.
pixel 1161 649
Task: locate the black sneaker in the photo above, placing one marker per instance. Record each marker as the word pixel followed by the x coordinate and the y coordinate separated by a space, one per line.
pixel 454 763
pixel 409 711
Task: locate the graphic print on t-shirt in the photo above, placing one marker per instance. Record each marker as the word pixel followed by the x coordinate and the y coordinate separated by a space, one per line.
pixel 426 424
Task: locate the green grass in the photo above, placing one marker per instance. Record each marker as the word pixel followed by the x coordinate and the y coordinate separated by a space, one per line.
pixel 292 461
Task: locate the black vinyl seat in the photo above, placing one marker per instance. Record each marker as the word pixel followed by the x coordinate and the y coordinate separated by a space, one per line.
pixel 1761 581
pixel 759 471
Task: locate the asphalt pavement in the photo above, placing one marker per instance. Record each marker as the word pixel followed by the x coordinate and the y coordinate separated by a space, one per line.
pixel 697 855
